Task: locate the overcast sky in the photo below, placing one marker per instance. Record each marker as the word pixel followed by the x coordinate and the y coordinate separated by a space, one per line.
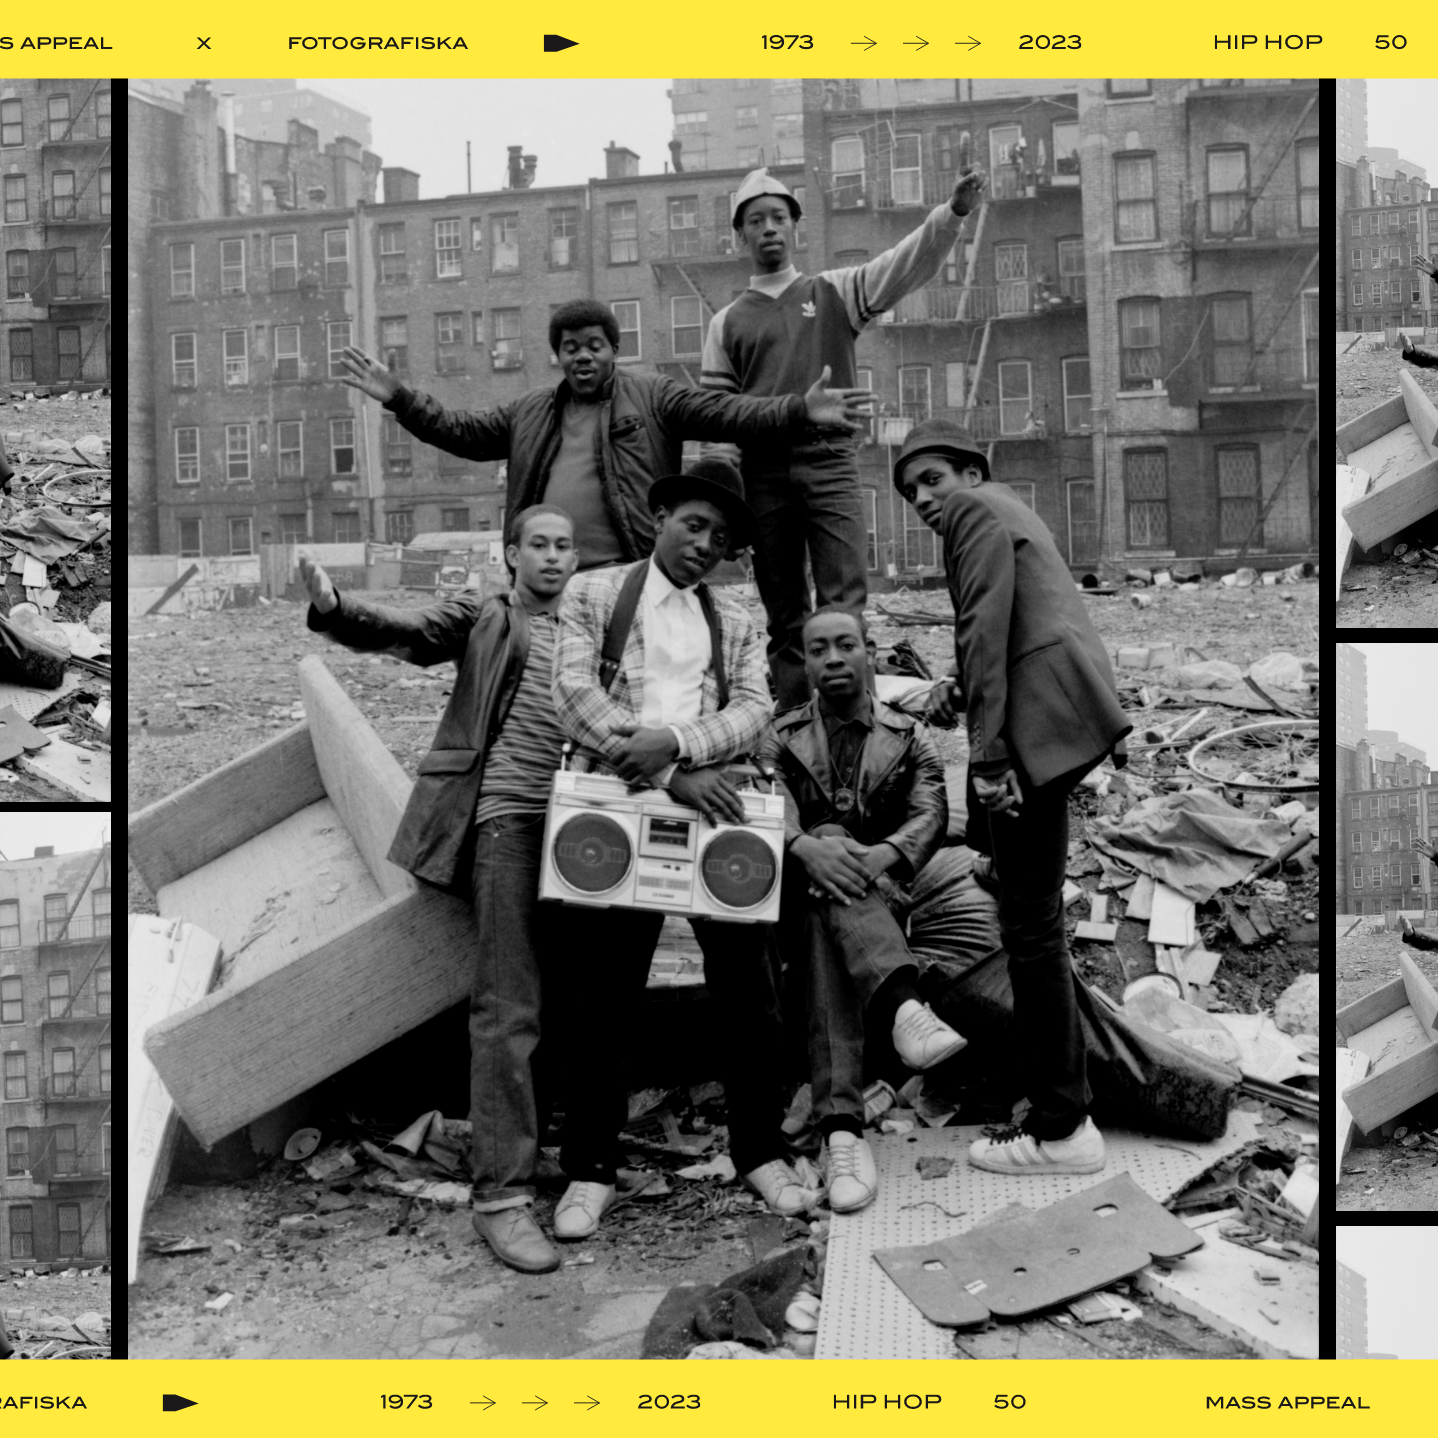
pixel 1400 118
pixel 68 833
pixel 423 124
pixel 1403 692
pixel 1398 1264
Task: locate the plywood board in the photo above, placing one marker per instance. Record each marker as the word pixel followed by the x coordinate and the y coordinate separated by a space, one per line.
pixel 1403 1070
pixel 1387 511
pixel 1420 410
pixel 1140 898
pixel 170 965
pixel 83 774
pixel 1365 1012
pixel 1421 998
pixel 1349 1067
pixel 1363 429
pixel 1172 922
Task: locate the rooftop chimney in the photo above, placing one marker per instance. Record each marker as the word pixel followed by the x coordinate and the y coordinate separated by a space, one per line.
pixel 676 152
pixel 531 163
pixel 516 168
pixel 399 184
pixel 47 853
pixel 619 162
pixel 317 196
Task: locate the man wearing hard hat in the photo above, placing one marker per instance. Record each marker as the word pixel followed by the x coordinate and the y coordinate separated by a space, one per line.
pixel 777 338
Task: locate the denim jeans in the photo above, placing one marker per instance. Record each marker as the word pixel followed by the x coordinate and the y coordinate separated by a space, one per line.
pixel 518 938
pixel 601 980
pixel 1030 855
pixel 807 500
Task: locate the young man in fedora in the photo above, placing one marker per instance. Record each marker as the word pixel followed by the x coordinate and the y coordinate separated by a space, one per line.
pixel 777 338
pixel 686 695
pixel 1035 682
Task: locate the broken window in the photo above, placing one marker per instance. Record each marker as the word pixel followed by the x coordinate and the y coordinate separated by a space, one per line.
pixel 504 246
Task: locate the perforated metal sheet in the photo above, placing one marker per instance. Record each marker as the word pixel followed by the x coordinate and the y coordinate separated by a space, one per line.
pixel 27 703
pixel 867 1316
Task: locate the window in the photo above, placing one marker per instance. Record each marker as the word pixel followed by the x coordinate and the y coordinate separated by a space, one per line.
pixel 1357 296
pixel 347 527
pixel 746 157
pixel 1238 495
pixel 1356 262
pixel 1135 207
pixel 242 536
pixel 848 164
pixel 624 233
pixel 447 250
pixel 59 107
pixel 1003 142
pixel 684 226
pixel 870 500
pixel 62 197
pixel 102 115
pixel 449 342
pixel 1120 88
pixel 687 325
pixel 284 261
pixel 504 242
pixel 182 257
pixel 1310 334
pixel 1375 223
pixel 183 367
pixel 1016 400
pixel 394 343
pixel 563 237
pixel 914 397
pixel 508 340
pixel 1355 809
pixel 290 443
pixel 338 336
pixel 1066 138
pixel 1011 270
pixel 1083 522
pixel 921 550
pixel 1228 208
pixel 1145 487
pixel 801 234
pixel 287 352
pixel 21 358
pixel 57 990
pixel 237 357
pixel 906 172
pixel 1308 185
pixel 864 379
pixel 391 255
pixel 398 458
pixel 232 267
pixel 1077 394
pixel 399 526
pixel 64 273
pixel 689 122
pixel 237 452
pixel 187 456
pixel 67 1221
pixel 626 313
pixel 454 521
pixel 1232 342
pixel 1141 357
pixel 746 117
pixel 293 529
pixel 342 447
pixel 22 1233
pixel 337 257
pixel 1393 219
pixel 788 126
pixel 12 126
pixel 476 328
pixel 1072 283
pixel 17 1083
pixel 10 924
pixel 17 274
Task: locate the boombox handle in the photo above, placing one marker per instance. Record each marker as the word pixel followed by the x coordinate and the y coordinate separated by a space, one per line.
pixel 753 770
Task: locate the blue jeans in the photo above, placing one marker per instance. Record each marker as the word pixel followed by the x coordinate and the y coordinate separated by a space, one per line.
pixel 808 503
pixel 509 1100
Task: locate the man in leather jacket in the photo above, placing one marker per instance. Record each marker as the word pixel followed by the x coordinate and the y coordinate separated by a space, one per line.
pixel 865 805
pixel 475 823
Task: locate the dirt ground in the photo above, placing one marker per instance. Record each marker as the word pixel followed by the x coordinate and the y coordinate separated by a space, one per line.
pixel 1387 594
pixel 1379 1172
pixel 331 1270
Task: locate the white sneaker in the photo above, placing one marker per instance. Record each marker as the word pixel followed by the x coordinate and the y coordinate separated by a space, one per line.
pixel 1080 1152
pixel 581 1208
pixel 853 1178
pixel 921 1038
pixel 782 1188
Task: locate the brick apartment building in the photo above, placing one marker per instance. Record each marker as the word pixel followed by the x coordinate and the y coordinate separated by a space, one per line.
pixel 55 988
pixel 1392 803
pixel 1157 417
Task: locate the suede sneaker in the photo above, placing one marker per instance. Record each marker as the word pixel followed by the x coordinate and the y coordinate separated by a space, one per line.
pixel 1080 1152
pixel 581 1208
pixel 853 1178
pixel 921 1038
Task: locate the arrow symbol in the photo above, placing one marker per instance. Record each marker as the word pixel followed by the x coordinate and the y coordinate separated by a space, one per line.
pixel 918 43
pixel 485 1403
pixel 173 1403
pixel 592 1403
pixel 865 42
pixel 558 42
pixel 536 1402
pixel 970 42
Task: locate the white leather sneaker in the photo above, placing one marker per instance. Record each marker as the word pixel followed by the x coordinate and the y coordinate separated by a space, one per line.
pixel 1080 1152
pixel 581 1208
pixel 853 1178
pixel 781 1188
pixel 921 1038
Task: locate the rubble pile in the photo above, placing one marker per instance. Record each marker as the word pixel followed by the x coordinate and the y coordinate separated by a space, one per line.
pixel 45 1291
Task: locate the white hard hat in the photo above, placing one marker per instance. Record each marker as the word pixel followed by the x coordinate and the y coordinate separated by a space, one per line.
pixel 761 182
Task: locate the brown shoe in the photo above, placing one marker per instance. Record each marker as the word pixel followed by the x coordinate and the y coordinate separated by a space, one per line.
pixel 517 1239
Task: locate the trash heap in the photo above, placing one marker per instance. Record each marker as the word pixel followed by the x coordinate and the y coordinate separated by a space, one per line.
pixel 39 1294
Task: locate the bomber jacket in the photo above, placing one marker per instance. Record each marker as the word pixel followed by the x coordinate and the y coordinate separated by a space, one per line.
pixel 489 640
pixel 644 422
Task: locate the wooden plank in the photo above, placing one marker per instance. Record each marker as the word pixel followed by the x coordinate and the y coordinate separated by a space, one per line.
pixel 1352 484
pixel 1421 998
pixel 361 777
pixel 1350 1067
pixel 83 774
pixel 1386 512
pixel 298 1018
pixel 170 965
pixel 1422 414
pixel 1140 898
pixel 1366 427
pixel 1098 933
pixel 174 589
pixel 194 825
pixel 1098 908
pixel 1172 922
pixel 1396 1089
pixel 1365 1012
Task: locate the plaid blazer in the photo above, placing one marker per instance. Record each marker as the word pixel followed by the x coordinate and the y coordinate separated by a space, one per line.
pixel 590 716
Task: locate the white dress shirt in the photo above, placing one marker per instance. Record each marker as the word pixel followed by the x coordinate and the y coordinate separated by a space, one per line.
pixel 677 650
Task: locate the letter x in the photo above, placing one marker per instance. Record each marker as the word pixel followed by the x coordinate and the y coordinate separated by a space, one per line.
pixel 204 42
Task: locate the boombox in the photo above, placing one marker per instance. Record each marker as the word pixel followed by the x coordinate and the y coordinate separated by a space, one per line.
pixel 609 846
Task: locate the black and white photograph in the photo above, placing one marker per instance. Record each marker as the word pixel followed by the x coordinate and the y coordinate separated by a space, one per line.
pixel 723 740
pixel 1379 1305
